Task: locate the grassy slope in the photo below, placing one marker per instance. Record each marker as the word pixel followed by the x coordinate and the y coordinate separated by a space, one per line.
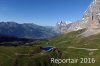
pixel 8 54
pixel 14 56
pixel 73 39
pixel 8 57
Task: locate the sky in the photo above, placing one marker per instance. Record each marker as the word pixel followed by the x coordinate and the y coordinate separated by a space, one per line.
pixel 42 12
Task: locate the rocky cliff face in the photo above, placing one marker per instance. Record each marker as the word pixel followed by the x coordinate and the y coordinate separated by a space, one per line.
pixel 90 21
pixel 92 18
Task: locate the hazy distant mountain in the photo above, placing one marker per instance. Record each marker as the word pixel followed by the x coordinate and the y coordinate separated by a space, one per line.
pixel 26 30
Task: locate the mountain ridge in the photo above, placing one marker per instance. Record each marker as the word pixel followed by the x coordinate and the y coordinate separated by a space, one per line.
pixel 26 30
pixel 90 21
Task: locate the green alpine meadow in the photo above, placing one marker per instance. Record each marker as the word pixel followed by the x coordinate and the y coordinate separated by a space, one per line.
pixel 69 45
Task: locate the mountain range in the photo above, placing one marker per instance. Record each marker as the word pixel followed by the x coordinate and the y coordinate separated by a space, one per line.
pixel 26 30
pixel 90 22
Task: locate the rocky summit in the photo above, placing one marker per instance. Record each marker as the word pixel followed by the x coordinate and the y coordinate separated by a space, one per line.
pixel 90 21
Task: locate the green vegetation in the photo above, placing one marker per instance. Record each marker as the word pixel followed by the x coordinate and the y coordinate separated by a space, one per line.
pixel 74 39
pixel 25 56
pixel 71 45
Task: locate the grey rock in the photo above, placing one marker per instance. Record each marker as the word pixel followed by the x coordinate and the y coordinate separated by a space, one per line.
pixel 90 21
